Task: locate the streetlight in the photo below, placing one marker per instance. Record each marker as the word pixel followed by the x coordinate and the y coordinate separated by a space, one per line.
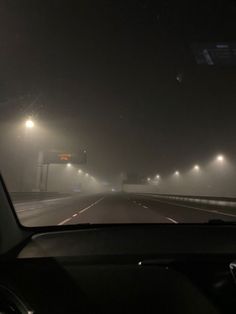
pixel 79 171
pixel 176 173
pixel 68 165
pixel 29 124
pixel 86 174
pixel 220 158
pixel 196 168
pixel 148 179
pixel 157 176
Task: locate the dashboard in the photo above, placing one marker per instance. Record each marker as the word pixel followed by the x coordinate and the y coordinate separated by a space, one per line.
pixel 121 269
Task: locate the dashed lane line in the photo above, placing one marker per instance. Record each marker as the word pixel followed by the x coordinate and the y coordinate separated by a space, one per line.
pixel 64 221
pixel 172 220
pixel 81 211
pixel 95 203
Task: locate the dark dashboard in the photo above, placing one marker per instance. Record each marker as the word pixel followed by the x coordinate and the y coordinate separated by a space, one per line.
pixel 124 269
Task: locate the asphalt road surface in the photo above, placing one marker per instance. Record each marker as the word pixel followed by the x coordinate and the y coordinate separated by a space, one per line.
pixel 117 208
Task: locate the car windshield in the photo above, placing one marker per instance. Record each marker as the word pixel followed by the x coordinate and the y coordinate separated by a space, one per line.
pixel 118 111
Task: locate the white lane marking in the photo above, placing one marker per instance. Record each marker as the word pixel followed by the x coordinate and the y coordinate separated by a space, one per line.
pixel 197 208
pixel 98 201
pixel 172 220
pixel 225 214
pixel 145 206
pixel 22 210
pixel 68 219
pixel 64 221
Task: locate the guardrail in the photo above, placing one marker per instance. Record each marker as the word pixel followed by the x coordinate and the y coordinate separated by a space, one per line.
pixel 35 196
pixel 210 200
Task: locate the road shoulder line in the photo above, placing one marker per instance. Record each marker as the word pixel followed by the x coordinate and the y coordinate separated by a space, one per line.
pixel 197 208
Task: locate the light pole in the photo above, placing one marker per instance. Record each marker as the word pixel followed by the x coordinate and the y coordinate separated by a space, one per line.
pixel 28 125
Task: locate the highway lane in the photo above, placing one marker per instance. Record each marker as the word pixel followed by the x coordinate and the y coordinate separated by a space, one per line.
pixel 117 208
pixel 189 212
pixel 52 211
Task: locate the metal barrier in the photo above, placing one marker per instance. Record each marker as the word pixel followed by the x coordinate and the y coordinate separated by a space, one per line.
pixel 35 196
pixel 210 200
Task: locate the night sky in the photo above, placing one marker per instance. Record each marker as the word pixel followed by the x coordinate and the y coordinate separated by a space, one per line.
pixel 102 75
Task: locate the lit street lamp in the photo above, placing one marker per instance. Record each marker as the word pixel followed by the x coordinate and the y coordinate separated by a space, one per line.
pixel 148 179
pixel 177 173
pixel 157 176
pixel 220 158
pixel 68 165
pixel 196 168
pixel 29 124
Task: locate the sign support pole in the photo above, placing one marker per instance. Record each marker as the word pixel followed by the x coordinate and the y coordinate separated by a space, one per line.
pixel 46 180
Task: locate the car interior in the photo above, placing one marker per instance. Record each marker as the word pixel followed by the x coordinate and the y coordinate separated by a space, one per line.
pixel 115 268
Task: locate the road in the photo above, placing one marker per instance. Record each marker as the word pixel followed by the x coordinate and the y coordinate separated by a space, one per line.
pixel 117 208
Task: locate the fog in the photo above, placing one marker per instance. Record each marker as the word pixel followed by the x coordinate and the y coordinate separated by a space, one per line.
pixel 122 81
pixel 23 169
pixel 216 177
